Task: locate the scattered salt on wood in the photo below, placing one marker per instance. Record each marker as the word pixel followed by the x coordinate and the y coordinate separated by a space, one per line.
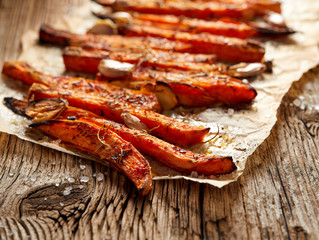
pixel 100 177
pixel 67 191
pixel 71 180
pixel 84 179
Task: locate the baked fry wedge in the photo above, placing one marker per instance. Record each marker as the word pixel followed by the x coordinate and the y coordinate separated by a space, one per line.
pixel 94 139
pixel 156 124
pixel 109 93
pixel 193 89
pixel 81 93
pixel 225 48
pixel 104 144
pixel 205 10
pixel 87 60
pixel 48 34
pixel 177 158
pixel 184 161
pixel 225 27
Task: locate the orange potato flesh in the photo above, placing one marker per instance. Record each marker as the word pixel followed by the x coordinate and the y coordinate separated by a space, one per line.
pixel 108 92
pixel 205 10
pixel 229 28
pixel 107 42
pixel 218 87
pixel 82 94
pixel 225 48
pixel 104 144
pixel 172 156
pixel 179 159
pixel 167 128
pixel 87 60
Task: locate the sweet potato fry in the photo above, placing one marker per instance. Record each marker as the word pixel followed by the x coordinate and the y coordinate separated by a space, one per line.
pixel 225 48
pixel 179 159
pixel 105 144
pixel 261 7
pixel 111 104
pixel 87 60
pixel 159 125
pixel 107 42
pixel 226 27
pixel 193 89
pixel 205 10
pixel 172 156
pixel 109 93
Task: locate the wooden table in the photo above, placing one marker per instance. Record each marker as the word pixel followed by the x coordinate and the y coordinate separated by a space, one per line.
pixel 276 198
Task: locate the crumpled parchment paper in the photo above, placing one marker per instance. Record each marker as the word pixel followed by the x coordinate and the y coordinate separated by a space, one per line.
pixel 240 131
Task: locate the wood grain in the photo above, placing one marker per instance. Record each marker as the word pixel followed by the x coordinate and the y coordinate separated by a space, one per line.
pixel 276 198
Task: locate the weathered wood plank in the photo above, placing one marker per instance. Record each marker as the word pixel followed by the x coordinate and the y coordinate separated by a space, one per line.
pixel 276 198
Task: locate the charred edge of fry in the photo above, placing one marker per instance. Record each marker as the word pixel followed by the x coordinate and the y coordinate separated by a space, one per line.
pixel 9 68
pixel 275 31
pixel 146 187
pixel 38 124
pixel 15 106
pixel 58 100
pixel 103 15
pixel 39 111
pixel 48 34
pixel 251 88
pixel 233 165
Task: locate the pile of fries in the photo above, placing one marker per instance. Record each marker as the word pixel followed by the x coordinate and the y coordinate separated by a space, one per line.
pixel 149 56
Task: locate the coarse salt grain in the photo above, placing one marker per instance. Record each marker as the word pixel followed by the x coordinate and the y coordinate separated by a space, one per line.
pixel 99 177
pixel 71 180
pixel 67 191
pixel 84 179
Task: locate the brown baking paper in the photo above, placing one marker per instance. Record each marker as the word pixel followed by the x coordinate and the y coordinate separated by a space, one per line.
pixel 240 131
